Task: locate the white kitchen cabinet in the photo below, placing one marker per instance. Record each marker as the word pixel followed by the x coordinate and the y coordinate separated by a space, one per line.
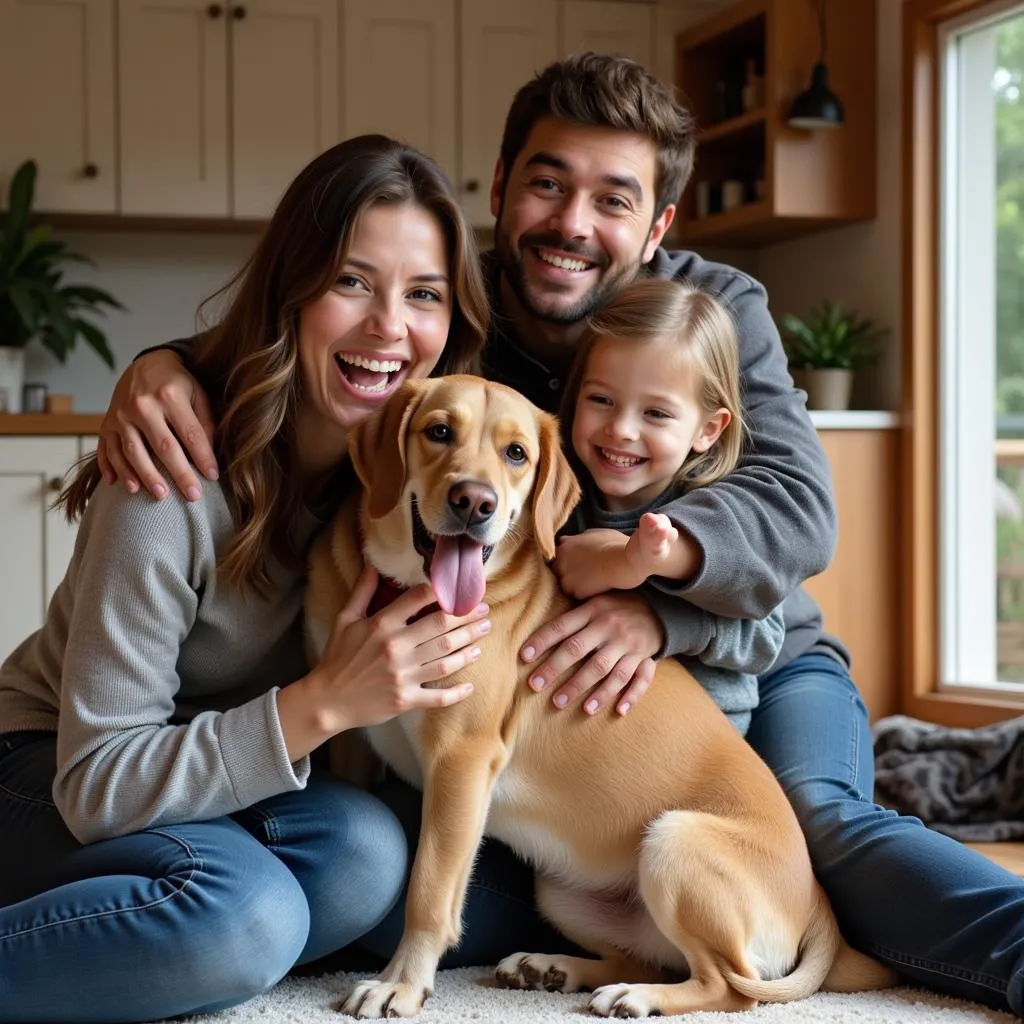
pixel 173 73
pixel 440 74
pixel 223 103
pixel 57 75
pixel 503 45
pixel 199 109
pixel 284 88
pixel 399 74
pixel 400 63
pixel 35 543
pixel 607 26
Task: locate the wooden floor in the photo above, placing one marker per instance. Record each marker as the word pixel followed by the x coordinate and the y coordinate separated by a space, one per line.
pixel 1007 855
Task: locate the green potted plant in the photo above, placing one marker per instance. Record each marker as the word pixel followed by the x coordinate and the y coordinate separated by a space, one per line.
pixel 825 348
pixel 35 301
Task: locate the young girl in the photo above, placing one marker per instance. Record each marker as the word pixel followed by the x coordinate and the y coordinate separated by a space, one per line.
pixel 652 409
pixel 166 847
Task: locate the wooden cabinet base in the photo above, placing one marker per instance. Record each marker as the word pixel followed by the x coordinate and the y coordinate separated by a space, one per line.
pixel 859 592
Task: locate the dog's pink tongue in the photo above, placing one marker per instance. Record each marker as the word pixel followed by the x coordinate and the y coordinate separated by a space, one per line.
pixel 457 574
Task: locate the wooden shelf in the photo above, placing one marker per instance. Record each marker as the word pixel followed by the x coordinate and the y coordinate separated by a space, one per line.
pixel 49 423
pixel 810 180
pixel 734 126
pixel 734 22
pixel 728 224
pixel 748 227
pixel 128 222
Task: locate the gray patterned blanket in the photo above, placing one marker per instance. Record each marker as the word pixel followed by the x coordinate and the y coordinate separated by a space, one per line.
pixel 968 783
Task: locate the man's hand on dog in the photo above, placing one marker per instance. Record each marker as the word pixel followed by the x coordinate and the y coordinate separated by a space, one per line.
pixel 157 409
pixel 612 639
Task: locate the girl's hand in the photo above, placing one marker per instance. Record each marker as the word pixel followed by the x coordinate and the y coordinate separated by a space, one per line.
pixel 593 562
pixel 373 669
pixel 650 548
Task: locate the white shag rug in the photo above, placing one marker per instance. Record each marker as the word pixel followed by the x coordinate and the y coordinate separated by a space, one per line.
pixel 468 995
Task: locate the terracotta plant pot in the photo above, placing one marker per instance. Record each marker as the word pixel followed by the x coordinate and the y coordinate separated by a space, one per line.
pixel 826 389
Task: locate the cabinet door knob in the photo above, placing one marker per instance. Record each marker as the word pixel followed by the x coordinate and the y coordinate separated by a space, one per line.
pixel 54 484
pixel 472 185
pixel 90 171
pixel 214 11
pixel 238 13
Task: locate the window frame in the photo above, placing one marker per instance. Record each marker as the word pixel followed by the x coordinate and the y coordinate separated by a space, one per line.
pixel 921 692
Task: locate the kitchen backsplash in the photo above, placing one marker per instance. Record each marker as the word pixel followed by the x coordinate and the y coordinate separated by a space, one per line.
pixel 161 278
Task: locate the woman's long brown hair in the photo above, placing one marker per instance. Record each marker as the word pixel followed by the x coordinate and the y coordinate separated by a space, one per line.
pixel 248 362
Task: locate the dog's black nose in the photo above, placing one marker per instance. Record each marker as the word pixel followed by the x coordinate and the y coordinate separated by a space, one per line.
pixel 472 502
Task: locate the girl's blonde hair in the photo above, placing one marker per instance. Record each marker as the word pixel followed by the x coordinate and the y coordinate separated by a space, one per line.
pixel 653 310
pixel 248 362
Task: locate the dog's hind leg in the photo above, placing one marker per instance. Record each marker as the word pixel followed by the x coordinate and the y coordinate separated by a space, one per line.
pixel 612 923
pixel 701 878
pixel 560 972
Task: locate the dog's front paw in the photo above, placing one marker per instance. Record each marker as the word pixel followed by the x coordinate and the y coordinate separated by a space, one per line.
pixel 375 998
pixel 624 1001
pixel 537 971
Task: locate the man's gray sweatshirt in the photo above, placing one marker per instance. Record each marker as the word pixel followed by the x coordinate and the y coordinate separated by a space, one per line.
pixel 726 654
pixel 771 523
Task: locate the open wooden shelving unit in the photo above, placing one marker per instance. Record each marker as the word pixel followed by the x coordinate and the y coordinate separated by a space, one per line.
pixel 812 180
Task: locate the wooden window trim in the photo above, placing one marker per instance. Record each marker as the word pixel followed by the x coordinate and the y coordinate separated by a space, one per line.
pixel 919 450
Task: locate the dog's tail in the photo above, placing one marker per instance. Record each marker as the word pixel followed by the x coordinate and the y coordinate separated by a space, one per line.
pixel 825 961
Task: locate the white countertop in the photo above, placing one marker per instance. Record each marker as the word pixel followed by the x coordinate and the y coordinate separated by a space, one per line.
pixel 854 419
pixel 88 423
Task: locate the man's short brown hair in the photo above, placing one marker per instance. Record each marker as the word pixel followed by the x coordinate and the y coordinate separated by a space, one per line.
pixel 607 91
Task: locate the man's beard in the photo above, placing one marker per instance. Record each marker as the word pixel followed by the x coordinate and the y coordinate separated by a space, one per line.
pixel 548 308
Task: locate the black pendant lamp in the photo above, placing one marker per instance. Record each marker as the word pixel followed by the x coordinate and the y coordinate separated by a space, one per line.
pixel 817 107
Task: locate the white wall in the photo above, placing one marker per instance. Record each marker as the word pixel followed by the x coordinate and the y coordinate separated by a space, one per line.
pixel 860 265
pixel 160 277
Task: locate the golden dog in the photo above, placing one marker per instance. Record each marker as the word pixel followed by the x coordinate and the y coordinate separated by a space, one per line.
pixel 660 840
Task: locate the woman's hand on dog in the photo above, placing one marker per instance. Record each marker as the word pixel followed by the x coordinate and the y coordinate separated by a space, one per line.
pixel 375 668
pixel 611 641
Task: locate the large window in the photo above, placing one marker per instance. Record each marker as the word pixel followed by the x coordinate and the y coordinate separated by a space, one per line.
pixel 981 330
pixel 963 450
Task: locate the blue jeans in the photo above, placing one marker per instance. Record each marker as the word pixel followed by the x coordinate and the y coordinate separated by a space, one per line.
pixel 182 918
pixel 942 915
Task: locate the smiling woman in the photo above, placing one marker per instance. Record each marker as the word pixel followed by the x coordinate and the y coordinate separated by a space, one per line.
pixel 172 663
pixel 379 323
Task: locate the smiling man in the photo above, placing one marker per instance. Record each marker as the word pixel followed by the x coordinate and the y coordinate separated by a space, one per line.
pixel 594 157
pixel 577 217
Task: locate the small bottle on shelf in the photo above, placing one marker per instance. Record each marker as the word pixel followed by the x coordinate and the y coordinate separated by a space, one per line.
pixel 753 87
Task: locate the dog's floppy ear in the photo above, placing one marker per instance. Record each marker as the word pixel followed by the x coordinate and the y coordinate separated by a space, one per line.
pixel 555 491
pixel 378 448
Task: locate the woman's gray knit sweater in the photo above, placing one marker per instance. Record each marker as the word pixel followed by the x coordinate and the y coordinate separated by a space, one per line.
pixel 158 680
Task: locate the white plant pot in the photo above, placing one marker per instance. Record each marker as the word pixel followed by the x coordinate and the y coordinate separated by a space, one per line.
pixel 826 389
pixel 12 377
